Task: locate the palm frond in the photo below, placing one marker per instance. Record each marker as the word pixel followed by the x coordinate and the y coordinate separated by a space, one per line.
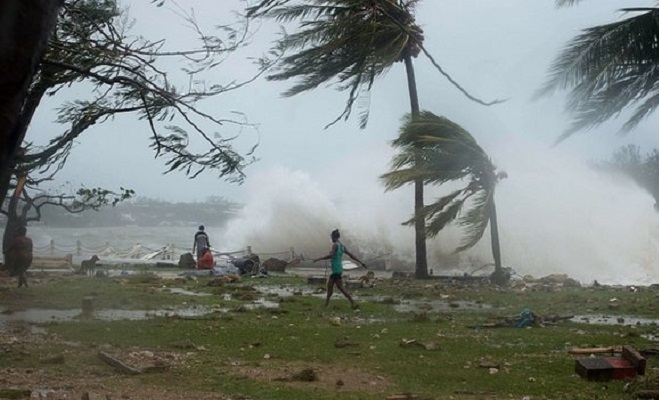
pixel 566 3
pixel 427 124
pixel 340 43
pixel 439 149
pixel 476 220
pixel 400 177
pixel 442 218
pixel 436 150
pixel 642 111
pixel 609 68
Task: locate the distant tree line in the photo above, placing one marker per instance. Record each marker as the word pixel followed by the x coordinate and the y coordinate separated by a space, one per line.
pixel 147 213
pixel 642 168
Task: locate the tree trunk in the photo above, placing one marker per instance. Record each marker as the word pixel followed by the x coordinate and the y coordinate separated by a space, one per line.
pixel 419 220
pixel 25 26
pixel 13 219
pixel 494 233
pixel 499 276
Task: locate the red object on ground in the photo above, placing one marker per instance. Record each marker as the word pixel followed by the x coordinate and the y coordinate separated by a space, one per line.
pixel 206 261
pixel 628 365
pixel 621 368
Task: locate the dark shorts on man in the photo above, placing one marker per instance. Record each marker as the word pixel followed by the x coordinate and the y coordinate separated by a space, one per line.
pixel 336 276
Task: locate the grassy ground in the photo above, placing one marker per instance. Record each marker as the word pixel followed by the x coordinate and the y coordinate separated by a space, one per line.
pixel 444 346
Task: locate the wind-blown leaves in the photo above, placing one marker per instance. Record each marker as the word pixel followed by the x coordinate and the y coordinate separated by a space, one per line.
pixel 566 3
pixel 345 43
pixel 437 151
pixel 609 69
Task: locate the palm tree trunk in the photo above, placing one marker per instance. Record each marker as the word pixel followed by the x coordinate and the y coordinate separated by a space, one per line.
pixel 499 276
pixel 494 233
pixel 420 221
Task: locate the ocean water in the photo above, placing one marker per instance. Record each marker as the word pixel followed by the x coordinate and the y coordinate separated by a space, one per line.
pixel 122 239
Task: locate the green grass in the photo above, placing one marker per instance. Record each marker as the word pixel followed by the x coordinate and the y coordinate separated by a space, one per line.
pixel 533 361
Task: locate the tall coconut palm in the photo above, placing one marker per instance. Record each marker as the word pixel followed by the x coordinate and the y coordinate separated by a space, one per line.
pixel 609 69
pixel 349 43
pixel 435 150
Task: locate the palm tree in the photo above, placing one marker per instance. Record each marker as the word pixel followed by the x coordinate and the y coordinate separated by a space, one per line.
pixel 349 43
pixel 610 68
pixel 435 150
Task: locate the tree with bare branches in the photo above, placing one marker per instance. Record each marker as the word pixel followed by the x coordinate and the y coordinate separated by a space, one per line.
pixel 121 73
pixel 92 47
pixel 27 201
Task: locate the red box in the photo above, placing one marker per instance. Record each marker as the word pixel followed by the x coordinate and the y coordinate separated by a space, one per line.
pixel 622 368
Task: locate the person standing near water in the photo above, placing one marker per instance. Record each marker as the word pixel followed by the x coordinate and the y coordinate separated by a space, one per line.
pixel 336 260
pixel 201 242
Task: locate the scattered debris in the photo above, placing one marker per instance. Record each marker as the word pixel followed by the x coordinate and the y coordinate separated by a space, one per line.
pixel 368 279
pixel 118 364
pixel 487 363
pixel 222 280
pixel 186 261
pixel 430 346
pixel 629 364
pixel 344 342
pixel 596 350
pixel 276 265
pixel 403 396
pixel 183 344
pixel 525 319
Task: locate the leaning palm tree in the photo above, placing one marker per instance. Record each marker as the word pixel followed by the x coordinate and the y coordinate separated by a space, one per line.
pixel 609 69
pixel 349 43
pixel 436 151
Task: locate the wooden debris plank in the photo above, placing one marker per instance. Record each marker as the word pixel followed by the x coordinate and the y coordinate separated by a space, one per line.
pixel 118 364
pixel 632 355
pixel 596 350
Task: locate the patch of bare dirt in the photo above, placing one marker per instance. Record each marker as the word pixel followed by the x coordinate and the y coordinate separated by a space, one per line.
pixel 94 382
pixel 328 377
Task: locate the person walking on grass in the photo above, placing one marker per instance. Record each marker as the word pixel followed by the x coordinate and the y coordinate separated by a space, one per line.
pixel 336 256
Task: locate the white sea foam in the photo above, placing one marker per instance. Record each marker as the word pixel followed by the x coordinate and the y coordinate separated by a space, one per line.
pixel 556 215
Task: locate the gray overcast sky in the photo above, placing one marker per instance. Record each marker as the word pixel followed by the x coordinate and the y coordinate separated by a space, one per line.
pixel 494 49
pixel 311 180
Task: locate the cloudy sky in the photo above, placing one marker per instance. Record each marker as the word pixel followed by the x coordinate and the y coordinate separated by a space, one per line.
pixel 494 49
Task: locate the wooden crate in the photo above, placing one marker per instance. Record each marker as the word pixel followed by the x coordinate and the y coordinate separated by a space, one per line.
pixel 622 369
pixel 594 369
pixel 629 364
